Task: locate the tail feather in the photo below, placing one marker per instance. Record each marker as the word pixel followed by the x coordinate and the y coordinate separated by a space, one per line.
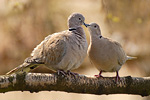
pixel 131 58
pixel 29 64
pixel 25 67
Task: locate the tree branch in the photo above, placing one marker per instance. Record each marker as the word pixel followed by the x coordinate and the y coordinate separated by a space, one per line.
pixel 35 82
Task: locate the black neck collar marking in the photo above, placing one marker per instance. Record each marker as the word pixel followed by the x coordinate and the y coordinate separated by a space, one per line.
pixel 100 36
pixel 71 29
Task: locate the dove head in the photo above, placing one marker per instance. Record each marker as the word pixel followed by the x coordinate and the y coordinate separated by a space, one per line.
pixel 94 29
pixel 75 20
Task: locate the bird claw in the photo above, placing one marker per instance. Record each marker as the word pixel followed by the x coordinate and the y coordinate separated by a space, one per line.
pixel 117 77
pixel 72 73
pixel 98 76
pixel 59 72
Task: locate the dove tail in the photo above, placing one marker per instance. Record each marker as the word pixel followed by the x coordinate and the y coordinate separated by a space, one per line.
pixel 25 67
pixel 29 64
pixel 131 58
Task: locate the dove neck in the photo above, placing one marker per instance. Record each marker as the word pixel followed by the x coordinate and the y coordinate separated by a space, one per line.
pixel 73 26
pixel 77 28
pixel 94 38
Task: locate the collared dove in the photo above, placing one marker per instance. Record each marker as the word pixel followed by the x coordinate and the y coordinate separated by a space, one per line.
pixel 62 51
pixel 106 55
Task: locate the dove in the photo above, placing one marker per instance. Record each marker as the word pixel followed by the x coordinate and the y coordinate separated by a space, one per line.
pixel 106 55
pixel 61 51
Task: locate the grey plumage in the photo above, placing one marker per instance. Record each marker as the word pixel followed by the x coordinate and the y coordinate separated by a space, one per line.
pixel 106 54
pixel 64 50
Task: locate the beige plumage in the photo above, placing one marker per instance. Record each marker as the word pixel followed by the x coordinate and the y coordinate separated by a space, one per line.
pixel 62 51
pixel 106 55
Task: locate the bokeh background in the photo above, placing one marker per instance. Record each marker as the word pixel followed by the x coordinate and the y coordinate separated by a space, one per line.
pixel 25 23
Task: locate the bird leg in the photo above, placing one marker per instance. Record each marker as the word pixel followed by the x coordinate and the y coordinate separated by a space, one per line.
pixel 117 76
pixel 99 75
pixel 61 72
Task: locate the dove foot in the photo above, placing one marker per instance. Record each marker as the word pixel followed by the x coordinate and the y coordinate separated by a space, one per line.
pixel 59 72
pixel 72 73
pixel 99 75
pixel 117 76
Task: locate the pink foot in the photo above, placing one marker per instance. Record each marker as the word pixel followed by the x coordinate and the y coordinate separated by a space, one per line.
pixel 99 75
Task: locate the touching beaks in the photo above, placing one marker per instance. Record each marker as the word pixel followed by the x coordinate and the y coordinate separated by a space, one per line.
pixel 86 25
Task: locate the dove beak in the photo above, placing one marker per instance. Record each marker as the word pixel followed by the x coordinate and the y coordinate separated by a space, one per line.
pixel 86 25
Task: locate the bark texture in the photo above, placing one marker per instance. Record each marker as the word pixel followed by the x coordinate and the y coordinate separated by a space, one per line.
pixel 35 82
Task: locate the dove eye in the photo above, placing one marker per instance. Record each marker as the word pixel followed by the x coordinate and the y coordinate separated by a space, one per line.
pixel 95 26
pixel 79 18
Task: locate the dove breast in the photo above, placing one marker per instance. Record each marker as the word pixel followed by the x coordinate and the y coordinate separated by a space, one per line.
pixel 64 50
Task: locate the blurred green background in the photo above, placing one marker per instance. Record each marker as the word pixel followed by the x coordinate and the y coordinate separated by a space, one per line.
pixel 25 23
